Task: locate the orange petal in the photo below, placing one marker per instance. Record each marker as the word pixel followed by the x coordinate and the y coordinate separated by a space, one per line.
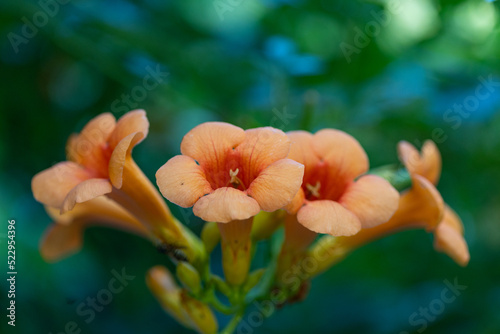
pixel 225 205
pixel 85 191
pixel 209 143
pixel 451 218
pixel 297 202
pixel 427 163
pixel 60 241
pixel 341 151
pixel 119 156
pixel 277 185
pixel 132 122
pixel 432 161
pixel 372 199
pixel 448 238
pixel 52 185
pixel 328 217
pixel 301 148
pixel 262 147
pixel 86 148
pixel 182 181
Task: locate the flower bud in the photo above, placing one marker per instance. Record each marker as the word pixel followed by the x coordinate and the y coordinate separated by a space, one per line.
pixel 210 236
pixel 199 313
pixel 189 277
pixel 265 223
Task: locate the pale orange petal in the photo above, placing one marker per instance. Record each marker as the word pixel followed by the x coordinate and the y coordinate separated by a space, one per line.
pixel 85 191
pixel 132 122
pixel 301 148
pixel 209 143
pixel 60 241
pixel 261 147
pixel 448 238
pixel 409 156
pixel 328 217
pixel 86 147
pixel 297 202
pixel 427 163
pixel 119 156
pixel 451 218
pixel 372 199
pixel 52 185
pixel 277 185
pixel 432 161
pixel 182 181
pixel 225 205
pixel 341 151
pixel 452 243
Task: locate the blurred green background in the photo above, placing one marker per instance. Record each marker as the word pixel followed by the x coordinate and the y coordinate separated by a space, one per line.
pixel 382 71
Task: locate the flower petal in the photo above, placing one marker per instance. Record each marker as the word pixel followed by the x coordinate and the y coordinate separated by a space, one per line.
pixel 225 205
pixel 182 181
pixel 328 217
pixel 85 191
pixel 427 163
pixel 86 147
pixel 52 185
pixel 119 156
pixel 277 185
pixel 132 122
pixel 342 152
pixel 297 202
pixel 209 143
pixel 61 241
pixel 372 199
pixel 432 161
pixel 261 147
pixel 301 148
pixel 448 238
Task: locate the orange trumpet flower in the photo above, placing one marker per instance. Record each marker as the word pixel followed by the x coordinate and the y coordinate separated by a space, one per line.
pixel 229 175
pixel 100 163
pixel 420 207
pixel 334 198
pixel 448 235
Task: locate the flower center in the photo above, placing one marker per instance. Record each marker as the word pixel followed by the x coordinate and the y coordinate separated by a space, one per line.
pixel 314 190
pixel 235 180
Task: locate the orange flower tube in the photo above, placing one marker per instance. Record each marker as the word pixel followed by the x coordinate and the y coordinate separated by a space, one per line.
pixel 229 175
pixel 65 236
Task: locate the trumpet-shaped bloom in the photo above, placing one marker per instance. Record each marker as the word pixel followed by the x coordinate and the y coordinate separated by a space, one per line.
pixel 229 174
pixel 100 163
pixel 96 159
pixel 334 198
pixel 65 236
pixel 420 207
pixel 449 232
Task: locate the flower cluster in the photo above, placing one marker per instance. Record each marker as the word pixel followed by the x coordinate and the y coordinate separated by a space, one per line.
pixel 248 185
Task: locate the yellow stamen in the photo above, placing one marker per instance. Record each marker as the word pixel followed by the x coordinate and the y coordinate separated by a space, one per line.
pixel 314 190
pixel 234 178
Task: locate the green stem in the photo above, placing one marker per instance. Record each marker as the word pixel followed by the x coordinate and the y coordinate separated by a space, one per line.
pixel 213 301
pixel 231 326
